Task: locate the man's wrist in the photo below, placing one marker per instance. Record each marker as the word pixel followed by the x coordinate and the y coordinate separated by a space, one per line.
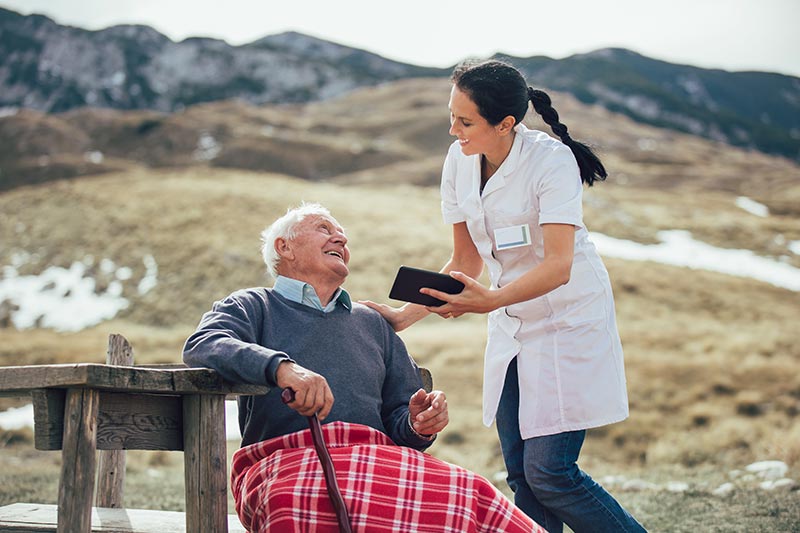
pixel 418 434
pixel 271 371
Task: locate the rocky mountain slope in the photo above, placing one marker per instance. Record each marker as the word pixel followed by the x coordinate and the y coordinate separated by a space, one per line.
pixel 753 109
pixel 53 68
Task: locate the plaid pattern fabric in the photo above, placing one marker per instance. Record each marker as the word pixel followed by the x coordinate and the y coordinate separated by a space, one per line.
pixel 278 486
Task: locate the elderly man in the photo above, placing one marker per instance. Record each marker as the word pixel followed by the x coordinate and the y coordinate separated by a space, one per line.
pixel 345 363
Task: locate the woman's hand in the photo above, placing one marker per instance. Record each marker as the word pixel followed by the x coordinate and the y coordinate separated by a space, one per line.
pixel 475 298
pixel 398 318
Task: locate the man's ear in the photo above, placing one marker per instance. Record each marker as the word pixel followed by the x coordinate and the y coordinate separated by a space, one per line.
pixel 284 248
pixel 506 125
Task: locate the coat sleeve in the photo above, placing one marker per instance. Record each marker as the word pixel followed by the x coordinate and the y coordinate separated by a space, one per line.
pixel 402 381
pixel 228 340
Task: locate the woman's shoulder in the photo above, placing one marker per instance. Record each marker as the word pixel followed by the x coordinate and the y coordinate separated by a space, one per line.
pixel 543 146
pixel 539 139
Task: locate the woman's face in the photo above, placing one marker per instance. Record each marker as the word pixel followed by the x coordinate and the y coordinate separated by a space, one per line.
pixel 474 133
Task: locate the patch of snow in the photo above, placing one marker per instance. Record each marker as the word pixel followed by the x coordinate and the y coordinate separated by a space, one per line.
pixel 150 278
pixel 646 145
pixel 17 417
pixel 232 421
pixel 207 148
pixel 107 266
pixel 93 157
pixel 612 481
pixel 499 476
pixel 638 485
pixel 752 207
pixel 794 247
pixel 8 111
pixel 68 299
pixel 678 248
pixel 677 486
pixel 124 273
pixel 778 484
pixel 118 78
pixel 723 490
pixel 59 298
pixel 768 469
pixel 19 258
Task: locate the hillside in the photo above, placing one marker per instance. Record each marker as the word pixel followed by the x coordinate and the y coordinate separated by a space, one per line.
pixel 399 127
pixel 53 68
pixel 711 359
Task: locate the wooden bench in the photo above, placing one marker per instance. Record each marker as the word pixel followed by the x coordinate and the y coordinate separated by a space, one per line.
pixel 81 408
pixel 112 407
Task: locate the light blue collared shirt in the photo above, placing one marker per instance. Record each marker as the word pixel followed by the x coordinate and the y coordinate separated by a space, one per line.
pixel 303 293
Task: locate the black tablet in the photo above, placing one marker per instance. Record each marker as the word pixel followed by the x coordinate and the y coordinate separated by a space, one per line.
pixel 410 280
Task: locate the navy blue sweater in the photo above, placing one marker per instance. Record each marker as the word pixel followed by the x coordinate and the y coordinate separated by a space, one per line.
pixel 248 334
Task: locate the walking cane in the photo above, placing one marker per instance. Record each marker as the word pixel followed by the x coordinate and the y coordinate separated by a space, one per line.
pixel 327 466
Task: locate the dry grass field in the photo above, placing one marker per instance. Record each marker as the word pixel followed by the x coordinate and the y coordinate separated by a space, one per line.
pixel 712 360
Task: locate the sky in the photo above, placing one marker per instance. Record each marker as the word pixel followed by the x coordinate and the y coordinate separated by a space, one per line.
pixel 727 34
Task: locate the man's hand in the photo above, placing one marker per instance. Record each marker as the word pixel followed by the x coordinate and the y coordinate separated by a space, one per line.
pixel 311 391
pixel 428 412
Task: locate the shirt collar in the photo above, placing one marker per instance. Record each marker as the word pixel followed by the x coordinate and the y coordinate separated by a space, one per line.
pixel 303 293
pixel 498 180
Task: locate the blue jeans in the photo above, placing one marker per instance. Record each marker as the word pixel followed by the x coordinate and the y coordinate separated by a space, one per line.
pixel 547 483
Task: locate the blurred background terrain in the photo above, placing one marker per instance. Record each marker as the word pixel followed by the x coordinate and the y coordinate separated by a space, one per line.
pixel 136 174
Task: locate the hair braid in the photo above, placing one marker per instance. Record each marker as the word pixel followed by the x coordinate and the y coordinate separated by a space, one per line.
pixel 590 166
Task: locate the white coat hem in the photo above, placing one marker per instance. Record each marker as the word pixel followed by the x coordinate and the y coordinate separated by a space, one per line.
pixel 562 428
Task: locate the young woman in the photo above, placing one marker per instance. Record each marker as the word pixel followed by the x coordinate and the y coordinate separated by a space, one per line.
pixel 553 364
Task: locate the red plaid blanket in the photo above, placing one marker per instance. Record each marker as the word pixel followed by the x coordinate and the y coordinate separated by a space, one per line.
pixel 279 486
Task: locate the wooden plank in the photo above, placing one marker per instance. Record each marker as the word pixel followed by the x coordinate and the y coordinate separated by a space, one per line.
pixel 124 421
pixel 76 485
pixel 35 518
pixel 48 418
pixel 111 465
pixel 139 422
pixel 205 380
pixel 205 460
pixel 134 379
pixel 427 379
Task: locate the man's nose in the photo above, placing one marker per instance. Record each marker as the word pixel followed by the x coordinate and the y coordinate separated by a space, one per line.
pixel 340 237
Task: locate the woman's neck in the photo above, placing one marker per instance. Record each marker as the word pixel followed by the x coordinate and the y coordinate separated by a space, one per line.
pixel 491 161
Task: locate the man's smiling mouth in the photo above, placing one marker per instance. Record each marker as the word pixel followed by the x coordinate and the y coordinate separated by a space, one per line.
pixel 335 253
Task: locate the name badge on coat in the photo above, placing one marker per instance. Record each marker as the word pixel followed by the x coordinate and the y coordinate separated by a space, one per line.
pixel 512 237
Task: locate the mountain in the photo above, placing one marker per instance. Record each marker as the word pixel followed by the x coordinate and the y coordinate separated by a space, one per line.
pixel 53 68
pixel 758 110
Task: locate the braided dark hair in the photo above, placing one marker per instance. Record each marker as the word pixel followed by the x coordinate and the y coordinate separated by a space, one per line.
pixel 499 90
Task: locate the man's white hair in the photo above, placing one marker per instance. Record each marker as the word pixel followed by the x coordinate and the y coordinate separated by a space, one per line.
pixel 286 228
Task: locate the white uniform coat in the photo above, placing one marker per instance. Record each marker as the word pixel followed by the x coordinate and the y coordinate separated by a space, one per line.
pixel 569 355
